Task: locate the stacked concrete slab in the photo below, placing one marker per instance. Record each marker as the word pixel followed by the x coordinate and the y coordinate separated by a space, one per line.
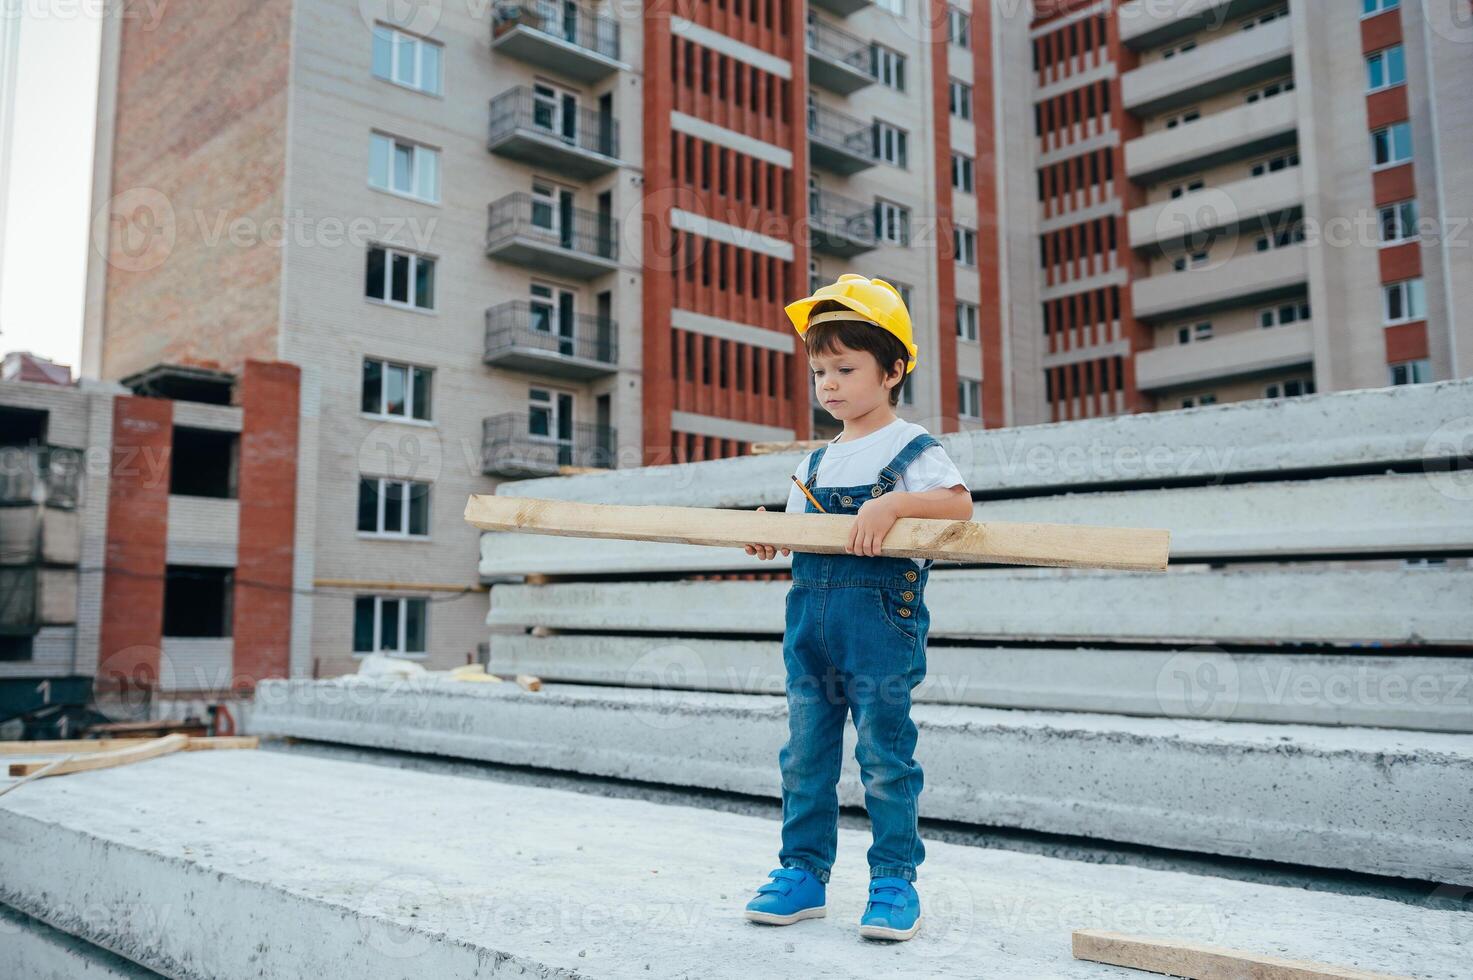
pixel 1296 687
pixel 237 865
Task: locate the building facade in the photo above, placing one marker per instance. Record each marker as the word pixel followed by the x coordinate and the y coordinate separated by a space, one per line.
pixel 514 238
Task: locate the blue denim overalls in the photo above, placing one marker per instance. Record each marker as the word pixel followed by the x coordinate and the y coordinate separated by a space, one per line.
pixel 855 639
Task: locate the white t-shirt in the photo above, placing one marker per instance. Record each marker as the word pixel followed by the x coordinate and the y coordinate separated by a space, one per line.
pixel 850 464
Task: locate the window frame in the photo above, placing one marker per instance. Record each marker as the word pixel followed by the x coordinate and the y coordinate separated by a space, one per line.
pixel 964 244
pixel 403 621
pixel 1404 125
pixel 1398 209
pixel 900 142
pixel 414 373
pixel 964 387
pixel 408 494
pixel 420 152
pixel 966 166
pixel 1382 54
pixel 901 216
pixel 971 321
pixel 395 34
pixel 1409 290
pixel 415 258
pixel 1380 7
pixel 959 97
pixel 886 61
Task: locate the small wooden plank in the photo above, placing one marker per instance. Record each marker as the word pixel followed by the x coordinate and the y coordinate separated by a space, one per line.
pixel 1011 543
pixel 764 448
pixel 197 743
pixel 151 749
pixel 1178 958
pixel 529 682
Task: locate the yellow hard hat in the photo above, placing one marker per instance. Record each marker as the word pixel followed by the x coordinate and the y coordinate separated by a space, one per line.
pixel 874 300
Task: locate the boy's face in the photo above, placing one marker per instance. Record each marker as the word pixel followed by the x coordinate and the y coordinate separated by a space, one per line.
pixel 849 382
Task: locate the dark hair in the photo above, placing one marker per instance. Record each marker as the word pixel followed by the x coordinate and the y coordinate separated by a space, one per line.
pixel 882 345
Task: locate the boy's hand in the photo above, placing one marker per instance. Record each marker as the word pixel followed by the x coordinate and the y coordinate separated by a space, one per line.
pixel 874 520
pixel 765 551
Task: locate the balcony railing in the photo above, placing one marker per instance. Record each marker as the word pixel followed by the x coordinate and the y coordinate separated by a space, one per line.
pixel 839 225
pixel 543 130
pixel 525 336
pixel 542 233
pixel 542 33
pixel 838 142
pixel 838 60
pixel 511 446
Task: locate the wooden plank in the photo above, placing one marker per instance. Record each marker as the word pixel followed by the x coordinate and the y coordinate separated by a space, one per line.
pixel 1057 545
pixel 151 749
pixel 197 743
pixel 798 445
pixel 1197 961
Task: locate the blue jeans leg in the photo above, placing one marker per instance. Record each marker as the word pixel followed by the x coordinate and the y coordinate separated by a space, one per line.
pixel 813 756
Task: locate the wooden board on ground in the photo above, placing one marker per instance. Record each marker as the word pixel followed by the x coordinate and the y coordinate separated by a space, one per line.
pixel 151 749
pixel 197 743
pixel 1177 958
pixel 763 448
pixel 998 542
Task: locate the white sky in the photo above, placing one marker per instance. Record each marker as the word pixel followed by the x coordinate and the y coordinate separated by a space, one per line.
pixel 47 215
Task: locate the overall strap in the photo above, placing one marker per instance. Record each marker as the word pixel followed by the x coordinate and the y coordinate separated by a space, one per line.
pixel 813 462
pixel 891 473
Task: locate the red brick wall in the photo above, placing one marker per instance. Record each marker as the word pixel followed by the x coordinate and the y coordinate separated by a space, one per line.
pixel 199 142
pixel 269 396
pixel 137 535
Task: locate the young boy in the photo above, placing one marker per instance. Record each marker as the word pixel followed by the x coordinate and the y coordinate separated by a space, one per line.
pixel 855 636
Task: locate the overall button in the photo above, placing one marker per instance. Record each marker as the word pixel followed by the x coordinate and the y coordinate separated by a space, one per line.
pixel 905 610
pixel 847 501
pixel 875 491
pixel 910 576
pixel 907 596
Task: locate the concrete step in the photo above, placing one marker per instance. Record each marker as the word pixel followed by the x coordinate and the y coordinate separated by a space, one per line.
pixel 35 951
pixel 1382 801
pixel 237 865
pixel 1352 688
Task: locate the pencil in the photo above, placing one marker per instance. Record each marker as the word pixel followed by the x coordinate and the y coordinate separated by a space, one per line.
pixel 806 493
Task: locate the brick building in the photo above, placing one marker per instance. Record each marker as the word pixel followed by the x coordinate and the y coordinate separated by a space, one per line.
pixel 506 239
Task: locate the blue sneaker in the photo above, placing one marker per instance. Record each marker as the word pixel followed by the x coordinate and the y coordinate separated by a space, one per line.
pixel 893 912
pixel 792 894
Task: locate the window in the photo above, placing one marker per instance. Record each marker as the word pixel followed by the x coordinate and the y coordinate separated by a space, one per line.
pixel 1185 116
pixel 1385 68
pixel 969 398
pixel 1278 316
pixel 889 143
pixel 404 168
pixel 1182 48
pixel 1405 301
pixel 382 624
pixel 887 66
pixel 964 240
pixel 907 391
pixel 1291 388
pixel 406 60
pixel 400 278
pixel 966 320
pixel 1265 18
pixel 1189 332
pixel 892 223
pixel 396 390
pixel 962 172
pixel 1411 372
pixel 400 508
pixel 1281 238
pixel 1194 401
pixel 958 27
pixel 896 7
pixel 1195 184
pixel 1274 164
pixel 1371 7
pixel 1194 260
pixel 1399 222
pixel 961 99
pixel 1391 145
pixel 1271 89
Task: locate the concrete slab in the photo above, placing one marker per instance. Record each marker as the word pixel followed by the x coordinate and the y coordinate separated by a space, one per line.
pixel 250 864
pixel 1410 607
pixel 1427 693
pixel 1382 801
pixel 35 951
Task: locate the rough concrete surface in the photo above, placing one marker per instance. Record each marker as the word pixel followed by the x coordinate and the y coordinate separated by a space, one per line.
pixel 248 864
pixel 1372 800
pixel 32 950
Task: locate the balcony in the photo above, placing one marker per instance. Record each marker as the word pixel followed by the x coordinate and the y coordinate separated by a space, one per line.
pixel 837 60
pixel 544 235
pixel 1236 355
pixel 839 143
pixel 1150 23
pixel 524 337
pixel 1233 134
pixel 560 37
pixel 510 447
pixel 575 141
pixel 1250 201
pixel 838 225
pixel 1210 69
pixel 843 8
pixel 1239 281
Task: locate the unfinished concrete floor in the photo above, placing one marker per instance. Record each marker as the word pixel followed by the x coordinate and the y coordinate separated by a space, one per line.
pixel 250 864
